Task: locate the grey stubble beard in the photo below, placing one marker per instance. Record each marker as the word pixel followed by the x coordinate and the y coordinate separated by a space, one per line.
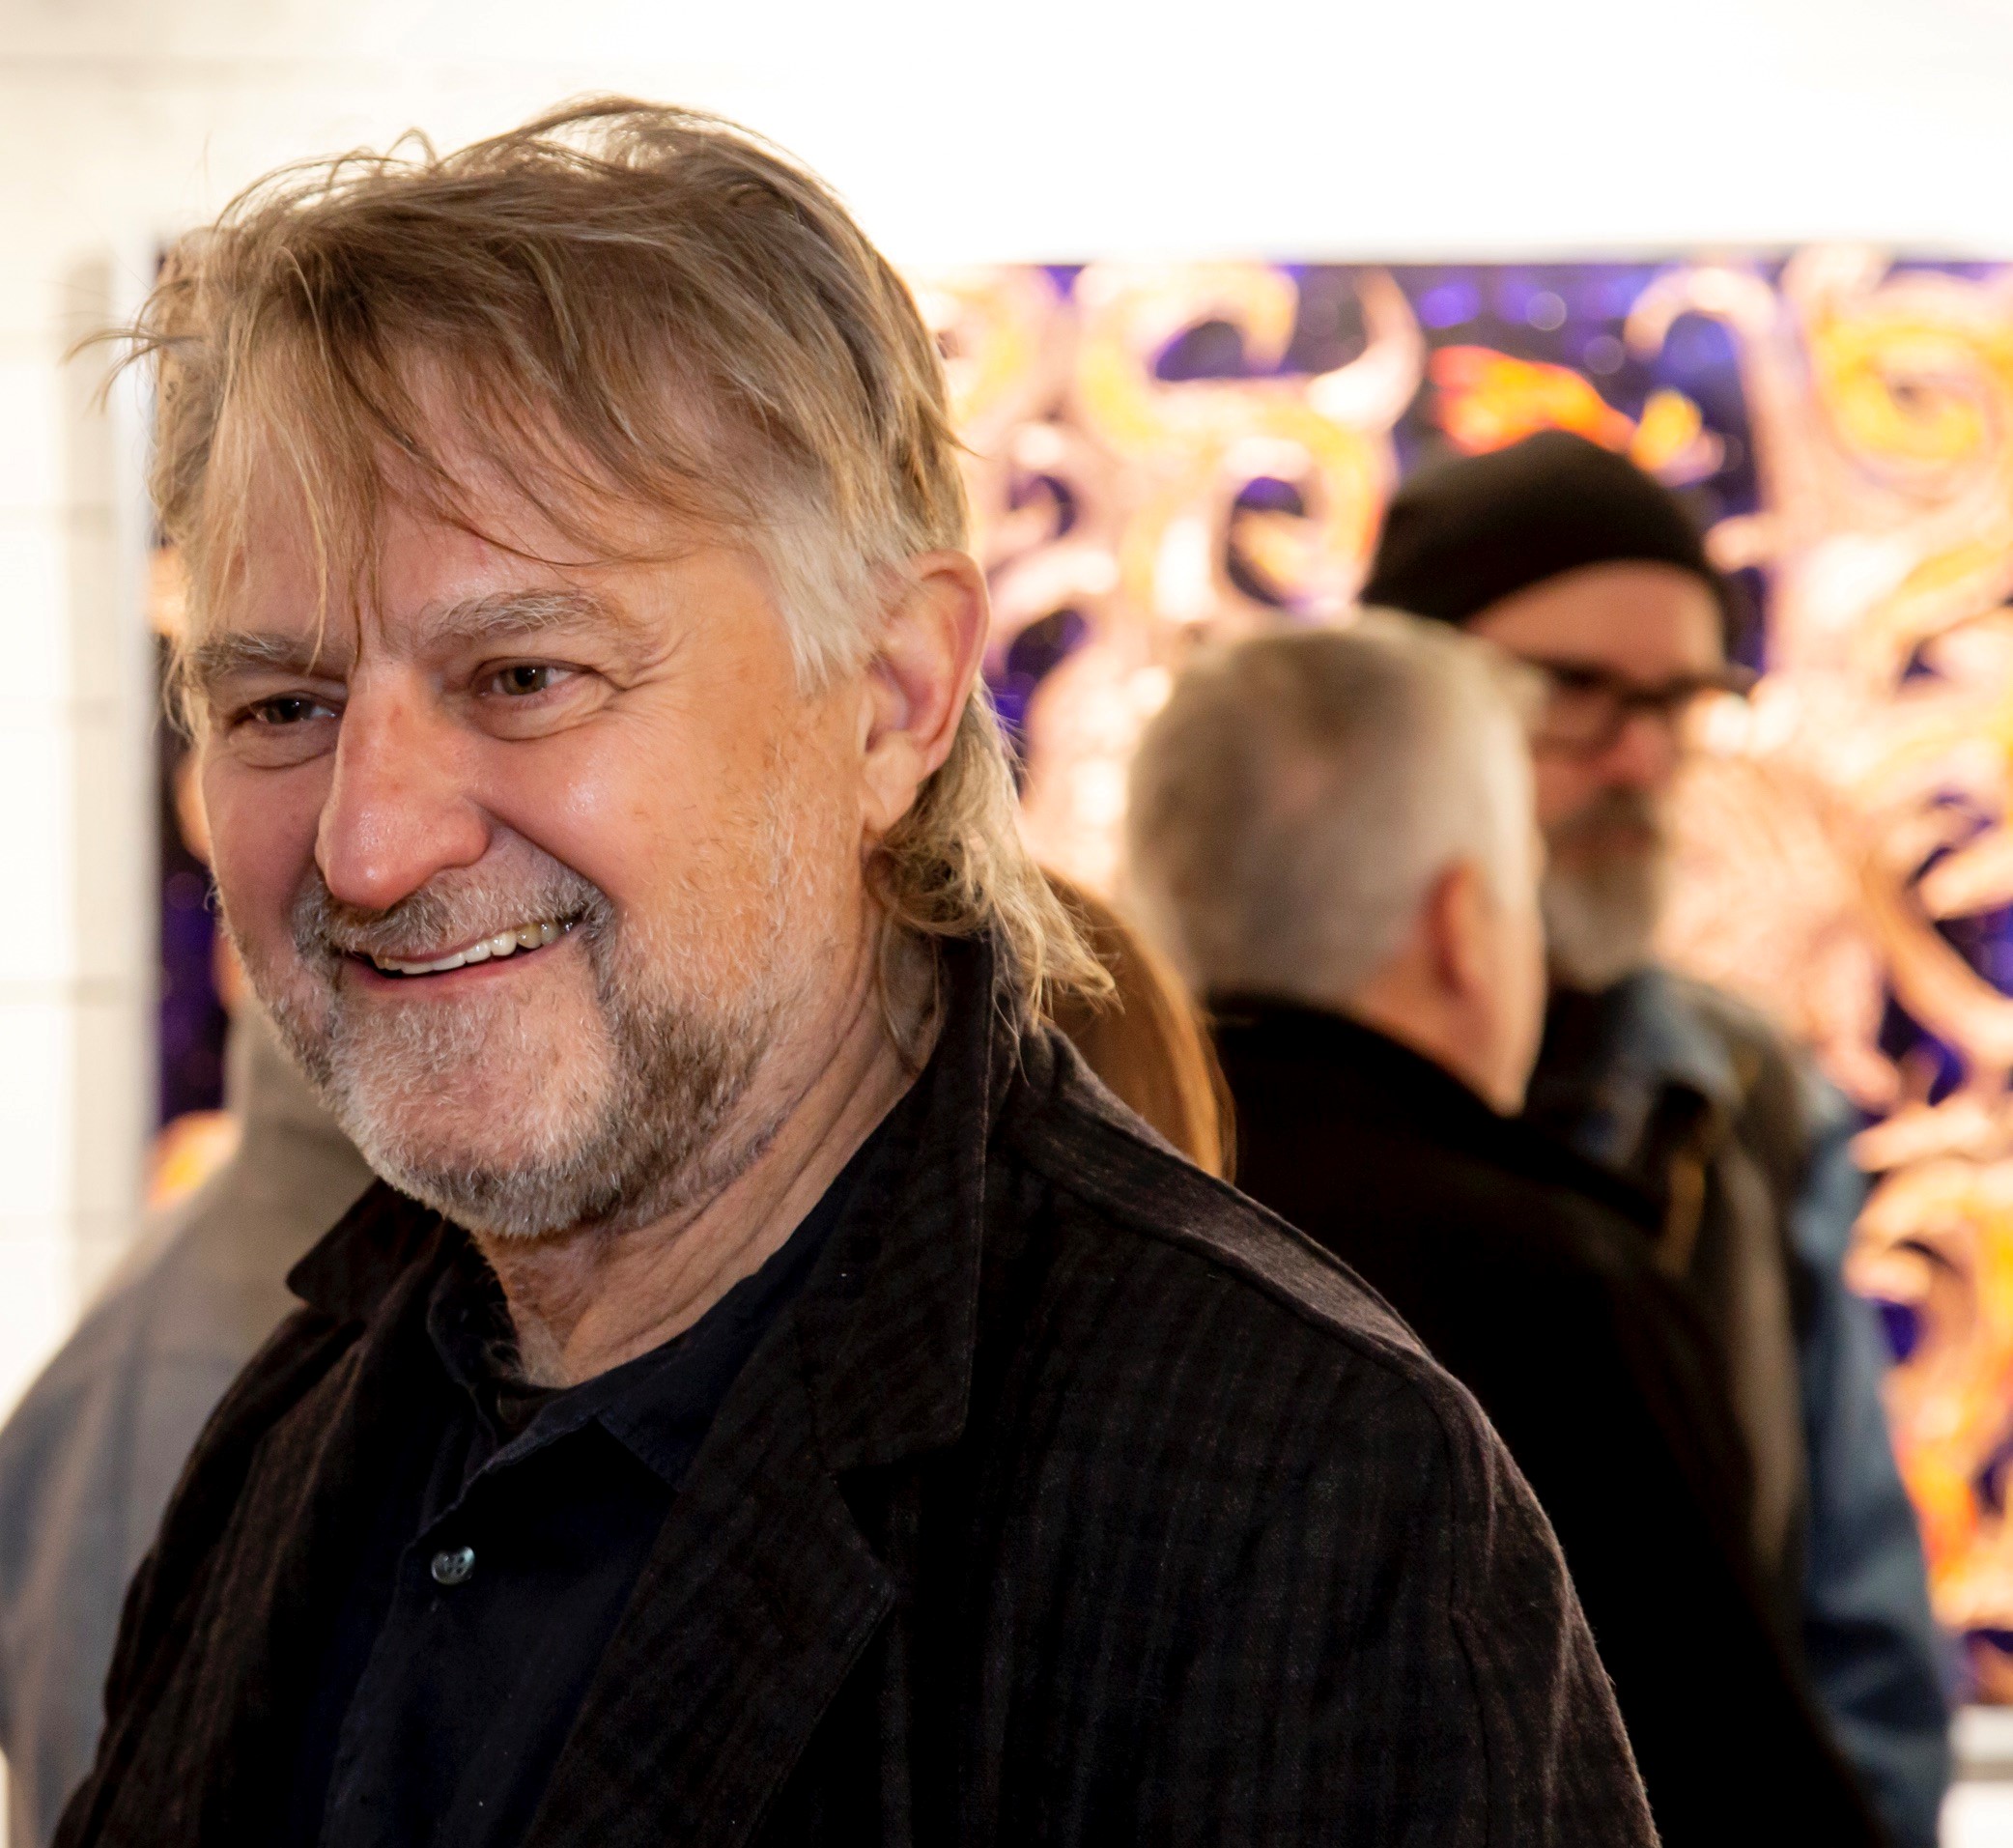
pixel 652 1126
pixel 1601 909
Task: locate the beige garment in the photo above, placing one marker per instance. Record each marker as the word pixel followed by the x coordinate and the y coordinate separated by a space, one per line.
pixel 90 1456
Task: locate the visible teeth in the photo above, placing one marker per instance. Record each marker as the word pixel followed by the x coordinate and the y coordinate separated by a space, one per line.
pixel 505 943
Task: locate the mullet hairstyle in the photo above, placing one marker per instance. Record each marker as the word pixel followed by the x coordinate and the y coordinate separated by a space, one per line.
pixel 616 304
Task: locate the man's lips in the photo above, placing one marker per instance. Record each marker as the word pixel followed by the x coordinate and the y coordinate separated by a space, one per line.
pixel 519 940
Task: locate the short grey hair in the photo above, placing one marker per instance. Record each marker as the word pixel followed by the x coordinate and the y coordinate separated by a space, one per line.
pixel 1301 791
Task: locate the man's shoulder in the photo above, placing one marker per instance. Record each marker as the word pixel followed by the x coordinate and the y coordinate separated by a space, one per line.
pixel 90 1453
pixel 1736 1024
pixel 149 1329
pixel 1182 1396
pixel 199 1291
pixel 1201 1276
pixel 1784 1101
pixel 177 1321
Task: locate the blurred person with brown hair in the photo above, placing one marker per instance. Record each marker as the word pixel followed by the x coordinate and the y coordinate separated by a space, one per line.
pixel 772 1394
pixel 1575 561
pixel 1331 832
pixel 1145 1039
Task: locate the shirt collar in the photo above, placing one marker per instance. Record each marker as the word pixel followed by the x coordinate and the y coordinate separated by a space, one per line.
pixel 660 1404
pixel 1659 1041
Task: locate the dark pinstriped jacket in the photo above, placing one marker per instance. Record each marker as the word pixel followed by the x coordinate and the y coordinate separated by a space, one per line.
pixel 1074 1500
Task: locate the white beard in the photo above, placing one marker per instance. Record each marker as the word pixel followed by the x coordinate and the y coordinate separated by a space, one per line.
pixel 1599 925
pixel 516 1122
pixel 1601 909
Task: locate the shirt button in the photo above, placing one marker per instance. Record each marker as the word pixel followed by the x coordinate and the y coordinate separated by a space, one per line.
pixel 451 1567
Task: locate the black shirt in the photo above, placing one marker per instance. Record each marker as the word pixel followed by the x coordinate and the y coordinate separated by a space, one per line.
pixel 503 1553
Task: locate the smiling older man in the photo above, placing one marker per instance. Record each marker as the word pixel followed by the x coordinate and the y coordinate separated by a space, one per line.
pixel 775 1394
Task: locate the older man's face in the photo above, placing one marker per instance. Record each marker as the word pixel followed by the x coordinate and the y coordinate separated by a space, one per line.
pixel 539 870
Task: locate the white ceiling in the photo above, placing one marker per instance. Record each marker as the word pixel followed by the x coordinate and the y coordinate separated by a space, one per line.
pixel 1075 128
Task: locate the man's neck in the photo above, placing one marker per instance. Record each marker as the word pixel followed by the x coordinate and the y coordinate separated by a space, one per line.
pixel 1405 1009
pixel 589 1300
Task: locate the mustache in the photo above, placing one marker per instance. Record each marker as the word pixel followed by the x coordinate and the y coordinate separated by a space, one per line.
pixel 1611 812
pixel 443 913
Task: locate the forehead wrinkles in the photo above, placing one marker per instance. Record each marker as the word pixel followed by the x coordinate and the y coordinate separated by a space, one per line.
pixel 302 486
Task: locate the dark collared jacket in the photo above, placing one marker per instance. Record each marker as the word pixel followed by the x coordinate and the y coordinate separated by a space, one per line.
pixel 1075 1499
pixel 1529 1273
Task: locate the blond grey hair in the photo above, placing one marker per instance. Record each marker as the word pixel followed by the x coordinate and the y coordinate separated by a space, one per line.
pixel 631 307
pixel 1297 795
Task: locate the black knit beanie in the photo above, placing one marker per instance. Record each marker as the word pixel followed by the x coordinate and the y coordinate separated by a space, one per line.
pixel 1467 532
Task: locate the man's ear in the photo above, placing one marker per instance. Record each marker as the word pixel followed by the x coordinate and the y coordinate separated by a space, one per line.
pixel 1457 915
pixel 917 682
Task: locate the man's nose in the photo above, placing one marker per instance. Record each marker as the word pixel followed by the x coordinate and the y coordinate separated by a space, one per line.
pixel 1644 755
pixel 401 805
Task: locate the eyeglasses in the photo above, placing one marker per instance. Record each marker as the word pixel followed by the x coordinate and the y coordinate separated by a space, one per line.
pixel 1587 708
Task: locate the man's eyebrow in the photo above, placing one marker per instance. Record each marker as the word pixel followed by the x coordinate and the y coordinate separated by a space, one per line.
pixel 257 651
pixel 506 615
pixel 495 617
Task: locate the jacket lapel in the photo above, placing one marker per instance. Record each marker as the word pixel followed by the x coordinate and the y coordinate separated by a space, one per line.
pixel 758 1599
pixel 234 1599
pixel 763 1592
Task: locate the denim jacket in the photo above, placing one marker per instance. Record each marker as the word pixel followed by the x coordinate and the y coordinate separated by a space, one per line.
pixel 1658 1051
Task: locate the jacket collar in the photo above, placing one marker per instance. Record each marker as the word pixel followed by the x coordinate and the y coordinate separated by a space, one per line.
pixel 1392 1079
pixel 1611 1060
pixel 766 1587
pixel 900 1275
pixel 901 1278
pixel 1354 1072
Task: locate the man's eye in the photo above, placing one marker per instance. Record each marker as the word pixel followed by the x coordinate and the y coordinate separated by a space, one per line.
pixel 526 677
pixel 286 709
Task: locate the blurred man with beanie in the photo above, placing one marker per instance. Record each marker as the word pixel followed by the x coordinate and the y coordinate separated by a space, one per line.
pixel 1572 559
